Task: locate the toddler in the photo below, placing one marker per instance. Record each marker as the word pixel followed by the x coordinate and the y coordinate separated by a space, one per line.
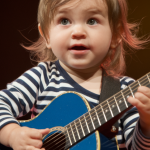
pixel 79 40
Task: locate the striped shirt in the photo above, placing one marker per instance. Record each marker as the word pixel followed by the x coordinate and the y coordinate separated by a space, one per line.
pixel 38 86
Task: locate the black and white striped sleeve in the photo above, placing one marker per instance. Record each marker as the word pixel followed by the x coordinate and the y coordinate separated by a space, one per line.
pixel 20 95
pixel 134 138
pixel 140 141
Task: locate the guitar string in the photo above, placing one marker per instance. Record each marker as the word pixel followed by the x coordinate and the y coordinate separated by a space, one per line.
pixel 90 119
pixel 100 116
pixel 95 114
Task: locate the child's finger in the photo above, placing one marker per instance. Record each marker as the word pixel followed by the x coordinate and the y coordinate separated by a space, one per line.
pixel 35 143
pixel 145 90
pixel 135 102
pixel 44 131
pixel 35 134
pixel 38 133
pixel 141 97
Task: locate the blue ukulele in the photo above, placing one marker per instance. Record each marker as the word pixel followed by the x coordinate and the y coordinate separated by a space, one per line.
pixel 74 125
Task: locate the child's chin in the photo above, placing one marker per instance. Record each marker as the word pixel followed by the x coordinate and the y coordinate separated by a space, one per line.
pixel 80 66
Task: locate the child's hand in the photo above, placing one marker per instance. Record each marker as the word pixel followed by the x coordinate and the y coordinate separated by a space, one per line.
pixel 142 103
pixel 24 138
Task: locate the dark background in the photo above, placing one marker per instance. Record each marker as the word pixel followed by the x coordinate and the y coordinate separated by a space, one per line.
pixel 18 19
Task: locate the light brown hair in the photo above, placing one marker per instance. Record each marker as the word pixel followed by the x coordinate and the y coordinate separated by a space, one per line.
pixel 114 62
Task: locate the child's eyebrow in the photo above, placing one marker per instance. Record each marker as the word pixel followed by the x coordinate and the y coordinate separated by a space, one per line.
pixel 91 11
pixel 95 11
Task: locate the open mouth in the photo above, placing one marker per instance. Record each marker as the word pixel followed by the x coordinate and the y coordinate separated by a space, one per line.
pixel 78 48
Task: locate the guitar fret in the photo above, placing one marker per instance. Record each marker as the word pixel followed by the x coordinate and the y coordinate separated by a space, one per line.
pixel 72 133
pixel 113 106
pixel 104 114
pixel 92 121
pixel 126 92
pixel 77 131
pixel 131 91
pixel 110 109
pixel 87 125
pixel 139 83
pixel 81 127
pixel 144 81
pixel 121 101
pixel 124 99
pixel 117 104
pixel 95 124
pixel 69 136
pixel 148 78
pixel 97 117
pixel 89 118
pixel 106 109
pixel 100 114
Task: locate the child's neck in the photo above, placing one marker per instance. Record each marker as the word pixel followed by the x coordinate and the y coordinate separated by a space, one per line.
pixel 89 79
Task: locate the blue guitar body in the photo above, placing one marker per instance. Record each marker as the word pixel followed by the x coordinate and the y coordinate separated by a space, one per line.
pixel 63 110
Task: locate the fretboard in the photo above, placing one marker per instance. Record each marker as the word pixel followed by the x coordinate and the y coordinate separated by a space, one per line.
pixel 102 113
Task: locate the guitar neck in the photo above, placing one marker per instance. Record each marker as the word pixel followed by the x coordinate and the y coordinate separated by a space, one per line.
pixel 102 113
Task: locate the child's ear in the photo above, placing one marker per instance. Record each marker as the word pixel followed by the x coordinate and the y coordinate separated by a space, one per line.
pixel 46 40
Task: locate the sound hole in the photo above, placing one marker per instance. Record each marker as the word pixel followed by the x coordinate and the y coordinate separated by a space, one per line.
pixel 55 141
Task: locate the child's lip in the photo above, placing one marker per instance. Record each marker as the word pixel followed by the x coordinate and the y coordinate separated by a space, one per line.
pixel 78 45
pixel 79 52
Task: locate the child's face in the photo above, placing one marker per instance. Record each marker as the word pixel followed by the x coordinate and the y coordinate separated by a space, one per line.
pixel 81 24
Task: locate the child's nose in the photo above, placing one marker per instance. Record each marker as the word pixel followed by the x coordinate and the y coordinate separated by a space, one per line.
pixel 78 32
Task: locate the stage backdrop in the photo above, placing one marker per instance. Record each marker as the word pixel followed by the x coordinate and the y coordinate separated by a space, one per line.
pixel 18 19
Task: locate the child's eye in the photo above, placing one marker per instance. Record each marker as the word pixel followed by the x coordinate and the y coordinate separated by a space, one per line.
pixel 92 21
pixel 64 21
